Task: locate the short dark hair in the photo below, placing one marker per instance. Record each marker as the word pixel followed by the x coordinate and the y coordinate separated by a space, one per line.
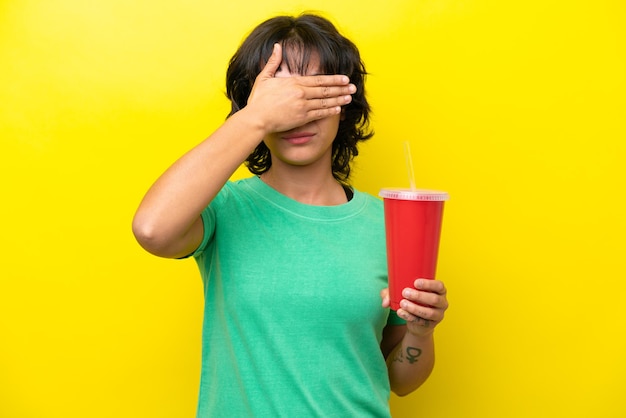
pixel 307 34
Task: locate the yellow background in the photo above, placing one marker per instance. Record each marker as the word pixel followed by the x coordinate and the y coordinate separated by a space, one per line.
pixel 516 108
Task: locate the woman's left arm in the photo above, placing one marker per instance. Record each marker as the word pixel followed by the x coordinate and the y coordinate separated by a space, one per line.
pixel 410 349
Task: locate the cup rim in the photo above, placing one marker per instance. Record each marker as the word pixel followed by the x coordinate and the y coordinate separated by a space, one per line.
pixel 413 194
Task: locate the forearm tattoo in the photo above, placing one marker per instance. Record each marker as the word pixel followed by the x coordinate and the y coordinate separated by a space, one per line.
pixel 410 354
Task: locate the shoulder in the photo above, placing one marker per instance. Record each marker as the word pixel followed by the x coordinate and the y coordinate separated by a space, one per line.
pixel 233 188
pixel 368 209
pixel 372 202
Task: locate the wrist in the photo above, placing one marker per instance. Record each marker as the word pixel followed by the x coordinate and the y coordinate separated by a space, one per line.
pixel 253 121
pixel 420 337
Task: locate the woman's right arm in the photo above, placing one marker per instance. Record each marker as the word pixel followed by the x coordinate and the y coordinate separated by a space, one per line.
pixel 168 221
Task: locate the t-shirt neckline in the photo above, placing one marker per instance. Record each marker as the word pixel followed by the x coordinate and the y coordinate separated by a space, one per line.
pixel 350 208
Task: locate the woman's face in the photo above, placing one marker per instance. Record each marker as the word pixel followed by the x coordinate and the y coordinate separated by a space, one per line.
pixel 307 144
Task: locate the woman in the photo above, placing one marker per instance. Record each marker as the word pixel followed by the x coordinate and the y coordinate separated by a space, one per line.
pixel 292 259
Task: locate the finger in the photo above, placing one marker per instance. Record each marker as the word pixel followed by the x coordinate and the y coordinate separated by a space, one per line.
pixel 321 108
pixel 384 295
pixel 415 318
pixel 326 92
pixel 324 80
pixel 325 103
pixel 425 298
pixel 419 311
pixel 321 113
pixel 434 286
pixel 273 62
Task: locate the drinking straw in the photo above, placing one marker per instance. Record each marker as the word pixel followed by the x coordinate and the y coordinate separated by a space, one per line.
pixel 409 165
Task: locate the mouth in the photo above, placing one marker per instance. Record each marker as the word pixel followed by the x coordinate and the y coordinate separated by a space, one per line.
pixel 298 137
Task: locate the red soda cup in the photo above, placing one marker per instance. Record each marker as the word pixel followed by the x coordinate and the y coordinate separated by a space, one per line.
pixel 413 221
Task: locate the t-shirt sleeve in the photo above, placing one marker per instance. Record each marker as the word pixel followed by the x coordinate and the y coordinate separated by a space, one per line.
pixel 394 319
pixel 209 219
pixel 208 223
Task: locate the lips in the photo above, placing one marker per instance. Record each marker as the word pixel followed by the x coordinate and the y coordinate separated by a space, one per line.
pixel 298 137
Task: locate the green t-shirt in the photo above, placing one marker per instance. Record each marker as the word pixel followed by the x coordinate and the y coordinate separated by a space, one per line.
pixel 293 317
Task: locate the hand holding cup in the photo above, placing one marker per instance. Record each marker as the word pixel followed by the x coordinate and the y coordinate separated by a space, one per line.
pixel 422 306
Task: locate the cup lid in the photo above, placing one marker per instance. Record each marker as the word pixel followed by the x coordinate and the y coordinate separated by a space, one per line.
pixel 410 194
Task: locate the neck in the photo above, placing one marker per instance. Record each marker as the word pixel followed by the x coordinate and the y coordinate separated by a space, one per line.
pixel 306 186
